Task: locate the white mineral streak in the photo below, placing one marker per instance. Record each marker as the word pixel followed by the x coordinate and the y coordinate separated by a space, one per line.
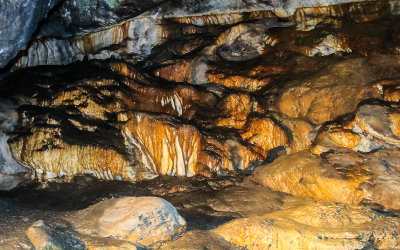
pixel 174 101
pixel 136 147
pixel 136 36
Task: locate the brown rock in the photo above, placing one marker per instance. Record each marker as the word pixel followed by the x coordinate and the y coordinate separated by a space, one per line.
pixel 250 199
pixel 264 133
pixel 179 71
pixel 303 174
pixel 298 133
pixel 199 240
pixel 239 82
pixel 374 125
pixel 181 149
pixel 315 225
pixel 336 90
pixel 44 236
pixel 234 110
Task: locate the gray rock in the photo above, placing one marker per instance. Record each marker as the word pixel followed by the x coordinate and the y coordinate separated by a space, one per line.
pixel 85 16
pixel 250 42
pixel 18 21
pixel 45 236
pixel 11 172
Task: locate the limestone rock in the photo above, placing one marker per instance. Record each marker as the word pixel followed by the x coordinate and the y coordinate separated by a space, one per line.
pixel 77 17
pixel 235 109
pixel 181 149
pixel 264 133
pixel 80 126
pixel 44 236
pixel 250 199
pixel 100 243
pixel 299 132
pixel 145 221
pixel 112 29
pixel 341 176
pixel 315 225
pixel 239 82
pixel 191 9
pixel 367 140
pixel 246 41
pixel 134 37
pixel 375 125
pixel 198 240
pixel 12 173
pixel 18 21
pixel 303 174
pixel 320 98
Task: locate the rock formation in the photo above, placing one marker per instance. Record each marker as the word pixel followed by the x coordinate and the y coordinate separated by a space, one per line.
pixel 18 21
pixel 200 124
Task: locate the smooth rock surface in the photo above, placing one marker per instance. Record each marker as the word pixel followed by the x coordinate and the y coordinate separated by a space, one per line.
pixel 144 221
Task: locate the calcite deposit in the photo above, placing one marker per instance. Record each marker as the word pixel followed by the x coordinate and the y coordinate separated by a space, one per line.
pixel 314 226
pixel 185 124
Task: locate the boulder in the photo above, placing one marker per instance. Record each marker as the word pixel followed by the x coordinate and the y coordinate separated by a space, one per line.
pixel 44 236
pixel 144 221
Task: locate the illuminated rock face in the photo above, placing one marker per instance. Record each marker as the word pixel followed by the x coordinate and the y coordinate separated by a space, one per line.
pixel 120 125
pixel 352 78
pixel 357 155
pixel 291 107
pixel 303 174
pixel 172 148
pixel 314 226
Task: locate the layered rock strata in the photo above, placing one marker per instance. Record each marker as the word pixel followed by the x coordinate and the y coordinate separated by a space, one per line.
pixel 120 124
pixel 106 35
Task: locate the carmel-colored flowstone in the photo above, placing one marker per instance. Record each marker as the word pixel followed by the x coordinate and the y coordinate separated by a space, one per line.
pixel 314 226
pixel 336 90
pixel 170 147
pixel 373 126
pixel 124 125
pixel 342 176
pixel 235 108
pixel 303 174
pixel 264 133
